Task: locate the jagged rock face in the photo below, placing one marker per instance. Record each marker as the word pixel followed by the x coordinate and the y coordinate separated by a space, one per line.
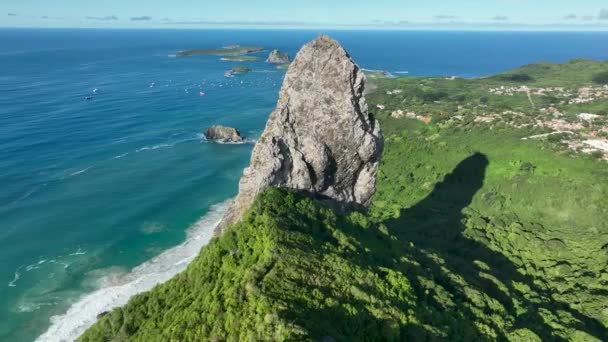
pixel 278 57
pixel 320 139
pixel 223 134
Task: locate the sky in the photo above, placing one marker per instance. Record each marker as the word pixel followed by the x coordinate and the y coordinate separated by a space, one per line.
pixel 340 14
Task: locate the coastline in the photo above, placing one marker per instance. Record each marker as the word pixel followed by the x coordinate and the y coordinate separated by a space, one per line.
pixel 117 289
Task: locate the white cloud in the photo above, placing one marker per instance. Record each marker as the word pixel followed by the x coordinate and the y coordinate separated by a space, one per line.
pixel 142 18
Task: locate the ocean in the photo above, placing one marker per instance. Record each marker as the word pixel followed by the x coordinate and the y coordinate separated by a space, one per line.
pixel 108 186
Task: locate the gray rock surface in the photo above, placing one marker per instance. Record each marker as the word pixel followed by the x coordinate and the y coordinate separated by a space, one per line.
pixel 278 57
pixel 223 134
pixel 320 139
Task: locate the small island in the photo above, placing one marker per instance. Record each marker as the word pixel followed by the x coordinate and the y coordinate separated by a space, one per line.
pixel 239 70
pixel 240 59
pixel 223 134
pixel 226 51
pixel 278 57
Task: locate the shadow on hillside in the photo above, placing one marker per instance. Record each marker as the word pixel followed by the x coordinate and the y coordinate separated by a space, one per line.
pixel 435 226
pixel 458 282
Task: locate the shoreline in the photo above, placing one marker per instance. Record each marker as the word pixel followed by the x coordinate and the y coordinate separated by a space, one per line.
pixel 117 289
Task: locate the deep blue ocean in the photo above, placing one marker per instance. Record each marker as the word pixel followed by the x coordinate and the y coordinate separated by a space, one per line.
pixel 103 198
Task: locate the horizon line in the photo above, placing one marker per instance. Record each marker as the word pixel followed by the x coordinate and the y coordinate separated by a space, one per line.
pixel 337 28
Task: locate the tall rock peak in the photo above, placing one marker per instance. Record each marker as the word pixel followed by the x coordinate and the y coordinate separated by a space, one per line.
pixel 320 139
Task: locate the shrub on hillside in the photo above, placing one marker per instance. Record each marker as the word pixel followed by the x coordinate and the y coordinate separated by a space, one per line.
pixel 519 77
pixel 601 78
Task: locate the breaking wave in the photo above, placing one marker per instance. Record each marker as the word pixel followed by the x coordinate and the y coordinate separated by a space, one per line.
pixel 80 172
pixel 117 289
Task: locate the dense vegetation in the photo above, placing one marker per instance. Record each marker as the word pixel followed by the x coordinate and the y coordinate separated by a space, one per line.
pixel 473 235
pixel 601 77
pixel 577 72
pixel 515 77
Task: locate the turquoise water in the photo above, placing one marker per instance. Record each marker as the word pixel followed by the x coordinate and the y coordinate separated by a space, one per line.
pixel 93 188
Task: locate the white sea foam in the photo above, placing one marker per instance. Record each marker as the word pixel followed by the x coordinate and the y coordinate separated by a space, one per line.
pixel 121 155
pixel 79 251
pixel 203 138
pixel 80 172
pixel 13 282
pixel 154 147
pixel 166 145
pixel 35 266
pixel 245 141
pixel 31 307
pixel 117 290
pixel 401 72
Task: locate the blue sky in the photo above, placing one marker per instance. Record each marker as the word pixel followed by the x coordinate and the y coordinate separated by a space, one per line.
pixel 389 14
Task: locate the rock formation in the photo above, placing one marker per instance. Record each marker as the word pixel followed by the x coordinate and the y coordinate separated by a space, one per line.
pixel 223 134
pixel 320 139
pixel 240 70
pixel 278 57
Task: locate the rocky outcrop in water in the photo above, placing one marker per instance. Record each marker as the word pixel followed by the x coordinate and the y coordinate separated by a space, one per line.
pixel 278 57
pixel 320 139
pixel 223 134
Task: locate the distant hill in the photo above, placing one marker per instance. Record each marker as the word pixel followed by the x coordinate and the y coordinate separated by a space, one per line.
pixel 576 72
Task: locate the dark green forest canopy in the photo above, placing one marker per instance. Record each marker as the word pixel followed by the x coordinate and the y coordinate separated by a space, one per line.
pixel 473 235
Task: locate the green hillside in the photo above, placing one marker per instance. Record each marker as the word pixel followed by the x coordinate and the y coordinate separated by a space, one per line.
pixel 577 72
pixel 474 234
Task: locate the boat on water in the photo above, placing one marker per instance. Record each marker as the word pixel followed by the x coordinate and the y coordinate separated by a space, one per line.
pixel 229 73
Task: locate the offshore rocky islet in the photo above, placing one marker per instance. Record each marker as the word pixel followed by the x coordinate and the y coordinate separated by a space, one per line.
pixel 223 134
pixel 278 57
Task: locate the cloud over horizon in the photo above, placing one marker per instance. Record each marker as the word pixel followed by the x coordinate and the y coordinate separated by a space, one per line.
pixel 445 17
pixel 530 14
pixel 602 15
pixel 142 18
pixel 241 23
pixel 106 18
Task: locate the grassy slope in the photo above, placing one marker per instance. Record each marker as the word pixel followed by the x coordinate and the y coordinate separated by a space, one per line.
pixel 474 234
pixel 576 72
